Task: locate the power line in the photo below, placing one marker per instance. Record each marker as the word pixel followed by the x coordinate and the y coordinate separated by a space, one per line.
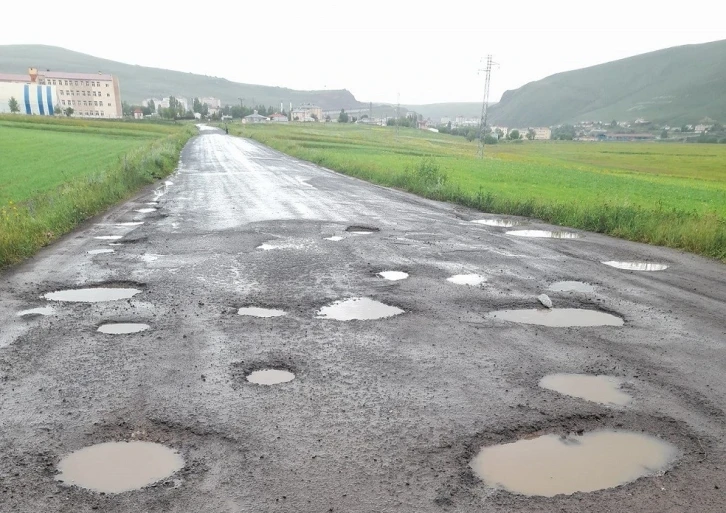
pixel 484 105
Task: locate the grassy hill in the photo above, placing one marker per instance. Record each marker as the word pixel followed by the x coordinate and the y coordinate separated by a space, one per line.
pixel 676 85
pixel 140 82
pixel 436 111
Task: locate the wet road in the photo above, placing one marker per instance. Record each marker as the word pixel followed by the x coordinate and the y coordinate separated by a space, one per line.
pixel 383 415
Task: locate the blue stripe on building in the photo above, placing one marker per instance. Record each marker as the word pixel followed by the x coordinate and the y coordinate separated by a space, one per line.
pixel 39 90
pixel 26 95
pixel 49 96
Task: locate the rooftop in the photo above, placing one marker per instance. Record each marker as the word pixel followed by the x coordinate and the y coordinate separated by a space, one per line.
pixel 14 77
pixel 75 76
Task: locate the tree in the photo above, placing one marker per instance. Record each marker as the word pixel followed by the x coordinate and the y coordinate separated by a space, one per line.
pixel 513 135
pixel 197 105
pixel 500 133
pixel 327 118
pixel 613 124
pixel 126 109
pixel 13 104
pixel 531 134
pixel 664 134
pixel 57 110
pixel 314 116
pixel 68 111
pixel 343 117
pixel 152 106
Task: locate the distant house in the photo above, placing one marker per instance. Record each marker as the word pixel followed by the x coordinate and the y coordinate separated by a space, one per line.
pixel 138 113
pixel 255 118
pixel 629 137
pixel 307 112
pixel 701 129
pixel 278 118
pixel 542 133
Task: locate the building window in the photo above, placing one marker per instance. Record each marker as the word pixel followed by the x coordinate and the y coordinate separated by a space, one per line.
pixel 106 85
pixel 108 94
pixel 109 104
pixel 63 102
pixel 86 82
pixel 61 92
pixel 76 82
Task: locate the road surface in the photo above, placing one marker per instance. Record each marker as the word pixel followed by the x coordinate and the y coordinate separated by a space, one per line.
pixel 383 415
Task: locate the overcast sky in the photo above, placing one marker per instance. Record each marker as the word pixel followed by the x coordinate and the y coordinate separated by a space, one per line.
pixel 425 51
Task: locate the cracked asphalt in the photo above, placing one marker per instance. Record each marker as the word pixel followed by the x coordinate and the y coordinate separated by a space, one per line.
pixel 383 415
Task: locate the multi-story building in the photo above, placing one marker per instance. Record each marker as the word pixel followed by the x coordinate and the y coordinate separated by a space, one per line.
pixel 31 99
pixel 88 94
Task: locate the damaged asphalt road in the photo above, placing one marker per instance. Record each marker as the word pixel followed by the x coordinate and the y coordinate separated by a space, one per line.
pixel 381 412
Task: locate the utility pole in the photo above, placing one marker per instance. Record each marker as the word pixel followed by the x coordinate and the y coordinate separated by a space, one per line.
pixel 241 109
pixel 398 108
pixel 484 105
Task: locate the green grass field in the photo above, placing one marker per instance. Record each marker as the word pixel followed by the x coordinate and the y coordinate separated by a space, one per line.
pixel 665 194
pixel 55 173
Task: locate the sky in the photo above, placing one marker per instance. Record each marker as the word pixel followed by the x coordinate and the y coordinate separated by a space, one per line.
pixel 420 52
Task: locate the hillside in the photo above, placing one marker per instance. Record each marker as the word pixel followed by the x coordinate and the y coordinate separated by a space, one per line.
pixel 139 82
pixel 676 85
pixel 436 111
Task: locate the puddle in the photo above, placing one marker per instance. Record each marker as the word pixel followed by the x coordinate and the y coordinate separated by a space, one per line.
pixel 44 310
pixel 559 317
pixel 108 237
pixel 260 312
pixel 116 467
pixel 550 465
pixel 544 234
pixel 362 229
pixel 571 286
pixel 502 223
pixel 168 182
pixel 91 295
pixel 637 266
pixel 467 279
pixel 123 328
pixel 334 238
pixel 150 257
pixel 270 377
pixel 130 223
pixel 598 389
pixel 361 233
pixel 358 308
pixel 266 247
pixel 145 210
pixel 393 275
pixel 100 251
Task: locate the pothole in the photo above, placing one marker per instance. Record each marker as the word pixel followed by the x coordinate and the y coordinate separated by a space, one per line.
pixel 360 229
pixel 255 311
pixel 270 376
pixel 502 223
pixel 359 308
pixel 123 328
pixel 393 275
pixel 100 251
pixel 108 237
pixel 637 266
pixel 571 286
pixel 544 234
pixel 91 295
pixel 598 389
pixel 550 464
pixel 467 279
pixel 44 310
pixel 148 210
pixel 116 467
pixel 559 317
pixel 334 238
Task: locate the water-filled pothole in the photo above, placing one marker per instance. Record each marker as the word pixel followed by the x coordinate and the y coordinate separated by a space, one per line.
pixel 572 286
pixel 100 251
pixel 362 229
pixel 130 223
pixel 123 328
pixel 393 275
pixel 334 238
pixel 467 279
pixel 254 311
pixel 44 310
pixel 502 223
pixel 598 389
pixel 92 295
pixel 270 376
pixel 358 308
pixel 148 210
pixel 116 467
pixel 547 234
pixel 551 464
pixel 637 266
pixel 108 237
pixel 559 317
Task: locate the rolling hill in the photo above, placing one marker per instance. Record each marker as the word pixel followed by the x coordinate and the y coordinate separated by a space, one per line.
pixel 140 82
pixel 676 85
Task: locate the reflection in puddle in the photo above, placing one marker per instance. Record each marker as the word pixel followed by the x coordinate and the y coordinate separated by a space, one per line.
pixel 360 308
pixel 145 210
pixel 559 317
pixel 260 312
pixel 116 467
pixel 393 275
pixel 44 310
pixel 544 234
pixel 108 237
pixel 571 286
pixel 599 389
pixel 266 247
pixel 361 233
pixel 334 238
pixel 100 251
pixel 131 223
pixel 637 266
pixel 150 257
pixel 503 223
pixel 270 377
pixel 550 465
pixel 123 328
pixel 467 279
pixel 92 295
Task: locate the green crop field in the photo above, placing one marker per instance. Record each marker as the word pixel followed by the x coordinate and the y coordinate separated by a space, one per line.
pixel 665 194
pixel 55 173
